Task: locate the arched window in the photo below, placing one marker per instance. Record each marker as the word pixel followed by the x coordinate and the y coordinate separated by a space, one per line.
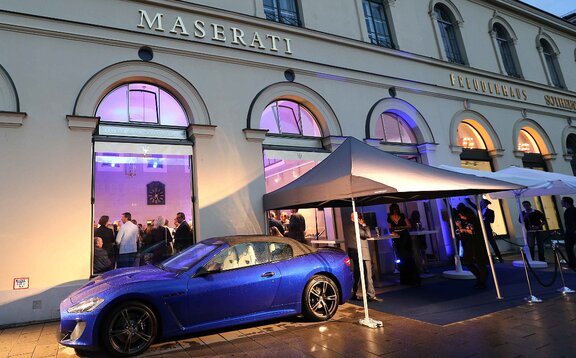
pixel 551 59
pixel 288 117
pixel 141 103
pixel 448 31
pixel 527 143
pixel 377 23
pixel 469 138
pixel 391 128
pixel 505 44
pixel 571 150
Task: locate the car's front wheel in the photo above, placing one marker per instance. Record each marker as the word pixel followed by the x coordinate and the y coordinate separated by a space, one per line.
pixel 320 299
pixel 129 329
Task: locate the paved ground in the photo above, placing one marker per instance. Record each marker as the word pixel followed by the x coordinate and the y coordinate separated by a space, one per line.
pixel 546 329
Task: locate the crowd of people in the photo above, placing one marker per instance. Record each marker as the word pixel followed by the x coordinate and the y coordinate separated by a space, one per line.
pixel 127 243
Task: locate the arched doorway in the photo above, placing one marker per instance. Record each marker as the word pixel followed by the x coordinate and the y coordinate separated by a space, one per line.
pixel 475 156
pixel 290 122
pixel 531 144
pixel 142 160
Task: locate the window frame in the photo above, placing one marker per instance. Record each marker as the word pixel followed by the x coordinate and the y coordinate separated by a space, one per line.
pixel 448 28
pixel 551 64
pixel 371 23
pixel 506 49
pixel 278 13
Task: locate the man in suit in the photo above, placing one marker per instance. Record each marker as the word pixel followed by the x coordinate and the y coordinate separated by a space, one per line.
pixel 183 234
pixel 488 218
pixel 350 240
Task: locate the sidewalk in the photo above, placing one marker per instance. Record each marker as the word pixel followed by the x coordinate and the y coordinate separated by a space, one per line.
pixel 547 329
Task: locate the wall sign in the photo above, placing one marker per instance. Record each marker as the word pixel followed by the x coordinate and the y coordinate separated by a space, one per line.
pixel 560 102
pixel 201 30
pixel 21 283
pixel 488 87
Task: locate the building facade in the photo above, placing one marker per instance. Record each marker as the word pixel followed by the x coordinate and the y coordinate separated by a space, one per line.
pixel 157 107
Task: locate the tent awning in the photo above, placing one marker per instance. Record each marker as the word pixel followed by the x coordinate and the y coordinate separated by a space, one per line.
pixel 371 176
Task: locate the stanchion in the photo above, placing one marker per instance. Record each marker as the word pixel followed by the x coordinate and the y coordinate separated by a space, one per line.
pixel 564 290
pixel 532 298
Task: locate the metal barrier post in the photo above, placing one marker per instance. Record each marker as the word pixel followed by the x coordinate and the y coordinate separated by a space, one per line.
pixel 532 298
pixel 564 290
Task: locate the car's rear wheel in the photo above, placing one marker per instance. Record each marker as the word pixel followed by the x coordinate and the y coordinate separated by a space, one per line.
pixel 320 299
pixel 129 329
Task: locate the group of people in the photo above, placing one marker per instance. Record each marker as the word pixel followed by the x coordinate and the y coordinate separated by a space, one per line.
pixel 127 243
pixel 293 227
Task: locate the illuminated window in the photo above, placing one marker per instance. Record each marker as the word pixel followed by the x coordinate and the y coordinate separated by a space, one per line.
pixel 377 23
pixel 450 37
pixel 469 138
pixel 391 128
pixel 141 103
pixel 527 143
pixel 288 117
pixel 283 11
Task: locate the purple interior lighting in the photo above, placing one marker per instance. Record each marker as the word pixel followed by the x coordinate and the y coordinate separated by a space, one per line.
pixel 288 117
pixel 142 103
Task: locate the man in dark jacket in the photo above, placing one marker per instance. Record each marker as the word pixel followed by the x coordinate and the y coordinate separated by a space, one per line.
pixel 183 234
pixel 101 261
pixel 569 230
pixel 534 222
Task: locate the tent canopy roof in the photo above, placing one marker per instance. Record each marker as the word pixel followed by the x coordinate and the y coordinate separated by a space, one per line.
pixel 371 176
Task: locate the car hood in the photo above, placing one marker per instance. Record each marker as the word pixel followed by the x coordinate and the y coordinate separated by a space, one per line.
pixel 117 278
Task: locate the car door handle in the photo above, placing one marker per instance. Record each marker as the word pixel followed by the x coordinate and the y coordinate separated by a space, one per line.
pixel 268 274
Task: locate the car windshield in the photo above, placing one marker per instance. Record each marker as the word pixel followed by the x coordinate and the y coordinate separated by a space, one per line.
pixel 188 258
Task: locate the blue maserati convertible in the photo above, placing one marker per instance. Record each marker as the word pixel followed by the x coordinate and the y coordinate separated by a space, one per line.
pixel 216 283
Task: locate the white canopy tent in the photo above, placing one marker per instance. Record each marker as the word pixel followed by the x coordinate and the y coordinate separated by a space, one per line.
pixel 358 174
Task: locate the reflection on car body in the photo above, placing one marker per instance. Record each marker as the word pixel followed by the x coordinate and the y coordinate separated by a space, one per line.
pixel 216 283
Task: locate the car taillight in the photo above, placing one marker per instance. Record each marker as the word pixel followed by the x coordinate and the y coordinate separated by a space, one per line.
pixel 347 261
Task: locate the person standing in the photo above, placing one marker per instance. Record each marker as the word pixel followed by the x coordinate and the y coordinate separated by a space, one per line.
pixel 272 222
pixel 399 225
pixel 297 227
pixel 352 248
pixel 534 222
pixel 183 234
pixel 488 218
pixel 127 241
pixel 475 256
pixel 569 230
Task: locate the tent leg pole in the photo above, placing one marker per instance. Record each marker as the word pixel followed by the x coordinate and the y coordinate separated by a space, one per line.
pixel 481 219
pixel 366 321
pixel 458 273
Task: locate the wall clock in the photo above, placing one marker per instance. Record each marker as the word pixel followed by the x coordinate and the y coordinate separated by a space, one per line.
pixel 156 193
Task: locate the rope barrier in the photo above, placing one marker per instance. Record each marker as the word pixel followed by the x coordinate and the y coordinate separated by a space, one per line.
pixel 556 264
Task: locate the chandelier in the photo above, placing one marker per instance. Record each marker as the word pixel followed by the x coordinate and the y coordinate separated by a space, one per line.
pixel 130 169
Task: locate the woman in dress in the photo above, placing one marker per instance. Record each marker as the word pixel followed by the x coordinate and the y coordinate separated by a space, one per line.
pixel 475 257
pixel 399 225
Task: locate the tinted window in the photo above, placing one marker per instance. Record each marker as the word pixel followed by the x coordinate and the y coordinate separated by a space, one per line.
pixel 188 258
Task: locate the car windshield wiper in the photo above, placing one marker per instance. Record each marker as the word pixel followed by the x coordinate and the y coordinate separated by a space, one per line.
pixel 160 266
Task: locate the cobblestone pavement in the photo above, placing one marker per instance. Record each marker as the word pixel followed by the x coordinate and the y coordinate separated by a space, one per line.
pixel 546 329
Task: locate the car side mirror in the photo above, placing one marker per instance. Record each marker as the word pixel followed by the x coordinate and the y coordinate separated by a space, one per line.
pixel 203 271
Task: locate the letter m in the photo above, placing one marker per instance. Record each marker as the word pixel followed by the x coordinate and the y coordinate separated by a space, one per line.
pixel 145 18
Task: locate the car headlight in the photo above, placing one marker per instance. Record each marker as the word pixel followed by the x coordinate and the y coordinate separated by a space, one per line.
pixel 86 305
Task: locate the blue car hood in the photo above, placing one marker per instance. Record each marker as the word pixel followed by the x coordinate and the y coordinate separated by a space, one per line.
pixel 117 278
